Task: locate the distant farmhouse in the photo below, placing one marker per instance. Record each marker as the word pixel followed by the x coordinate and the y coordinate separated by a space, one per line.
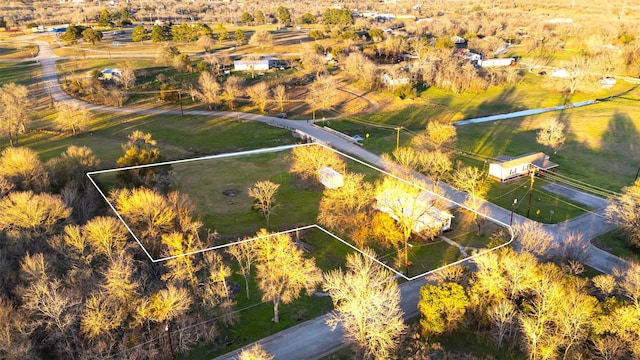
pixel 259 64
pixel 507 168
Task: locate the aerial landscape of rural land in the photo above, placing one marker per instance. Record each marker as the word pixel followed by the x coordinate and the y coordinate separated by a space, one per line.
pixel 389 179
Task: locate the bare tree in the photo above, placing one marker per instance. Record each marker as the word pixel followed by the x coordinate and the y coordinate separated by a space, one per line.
pixel 127 77
pixel 259 95
pixel 166 305
pixel 51 303
pixel 24 210
pixel 547 294
pixel 256 352
pixel 366 300
pixel 325 90
pixel 71 116
pixel 576 72
pixel 245 254
pixel 183 268
pixel 307 160
pixel 282 271
pixel 206 42
pixel 437 136
pixel 120 283
pixel 347 208
pixel 216 294
pixel 261 39
pixel 116 96
pixel 21 167
pixel 264 194
pixel 471 180
pixel 435 164
pixel 533 238
pixel 15 343
pixel 576 314
pixel 100 236
pixel 14 110
pixel 312 62
pixel 100 317
pixel 361 68
pixel 551 134
pixel 147 213
pixel 232 90
pixel 503 317
pixel 209 89
pixel 624 211
pixel 280 96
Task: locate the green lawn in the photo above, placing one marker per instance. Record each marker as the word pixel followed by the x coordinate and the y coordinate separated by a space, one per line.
pixel 17 50
pixel 614 242
pixel 205 134
pixel 25 73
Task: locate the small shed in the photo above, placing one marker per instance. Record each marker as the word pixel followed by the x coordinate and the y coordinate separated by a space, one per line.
pixel 330 178
pixel 419 206
pixel 506 168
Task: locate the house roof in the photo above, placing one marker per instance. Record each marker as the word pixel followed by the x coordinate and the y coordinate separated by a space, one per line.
pixel 537 159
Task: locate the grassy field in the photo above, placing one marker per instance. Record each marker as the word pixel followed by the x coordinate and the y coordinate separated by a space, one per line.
pixel 206 135
pixel 17 50
pixel 27 74
pixel 206 181
pixel 614 242
pixel 601 148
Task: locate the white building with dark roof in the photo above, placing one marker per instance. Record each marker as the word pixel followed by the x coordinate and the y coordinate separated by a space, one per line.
pixel 506 168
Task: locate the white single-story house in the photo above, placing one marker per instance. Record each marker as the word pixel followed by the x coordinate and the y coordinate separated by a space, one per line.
pixel 330 178
pixel 258 64
pixel 419 206
pixel 510 167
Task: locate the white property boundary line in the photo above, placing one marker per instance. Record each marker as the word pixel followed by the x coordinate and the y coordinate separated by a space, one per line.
pixel 278 149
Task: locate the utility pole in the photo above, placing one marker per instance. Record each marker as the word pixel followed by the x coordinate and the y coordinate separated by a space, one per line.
pixel 180 99
pixel 513 208
pixel 406 257
pixel 532 171
pixel 166 328
pixel 398 138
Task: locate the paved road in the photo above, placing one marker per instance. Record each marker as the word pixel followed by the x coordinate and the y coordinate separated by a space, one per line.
pixel 313 339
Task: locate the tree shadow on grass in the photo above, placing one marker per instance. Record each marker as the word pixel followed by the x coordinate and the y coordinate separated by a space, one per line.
pixel 505 102
pixel 622 140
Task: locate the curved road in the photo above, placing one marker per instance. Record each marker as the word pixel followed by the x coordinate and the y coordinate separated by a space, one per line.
pixel 313 339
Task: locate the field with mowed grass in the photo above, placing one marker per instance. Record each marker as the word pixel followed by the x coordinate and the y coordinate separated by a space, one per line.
pixel 602 147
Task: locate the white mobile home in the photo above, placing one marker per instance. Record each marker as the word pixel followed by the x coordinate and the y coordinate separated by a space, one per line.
pixel 509 167
pixel 496 62
pixel 258 65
